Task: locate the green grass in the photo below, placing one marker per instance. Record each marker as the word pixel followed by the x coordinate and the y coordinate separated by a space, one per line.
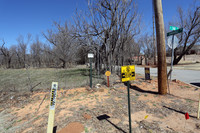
pixel 69 78
pixel 189 101
pixel 86 130
pixel 137 94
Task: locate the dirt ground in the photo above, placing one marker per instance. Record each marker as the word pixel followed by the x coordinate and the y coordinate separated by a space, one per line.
pixel 103 109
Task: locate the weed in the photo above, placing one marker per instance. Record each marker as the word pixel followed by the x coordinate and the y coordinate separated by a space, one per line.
pixel 189 101
pixel 8 127
pixel 19 120
pixel 153 88
pixel 161 117
pixel 47 106
pixel 86 130
pixel 77 100
pixel 187 86
pixel 70 95
pixel 145 95
pixel 137 94
pixel 37 117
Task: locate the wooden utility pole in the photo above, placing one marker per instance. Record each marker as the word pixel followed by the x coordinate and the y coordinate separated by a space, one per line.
pixel 161 50
pixel 154 44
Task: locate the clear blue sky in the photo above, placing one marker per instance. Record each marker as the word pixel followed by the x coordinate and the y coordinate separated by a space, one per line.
pixel 19 17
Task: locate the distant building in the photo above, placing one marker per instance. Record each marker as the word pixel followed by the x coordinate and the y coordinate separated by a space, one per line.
pixel 194 50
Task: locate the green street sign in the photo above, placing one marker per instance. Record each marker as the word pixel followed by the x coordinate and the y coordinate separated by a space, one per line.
pixel 175 32
pixel 173 28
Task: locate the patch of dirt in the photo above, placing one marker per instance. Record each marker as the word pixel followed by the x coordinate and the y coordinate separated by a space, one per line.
pixel 74 127
pixel 150 112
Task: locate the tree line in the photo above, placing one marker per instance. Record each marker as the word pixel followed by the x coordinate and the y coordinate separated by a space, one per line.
pixel 111 29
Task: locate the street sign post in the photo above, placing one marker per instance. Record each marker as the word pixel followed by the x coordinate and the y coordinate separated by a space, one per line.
pixel 127 74
pixel 172 46
pixel 90 56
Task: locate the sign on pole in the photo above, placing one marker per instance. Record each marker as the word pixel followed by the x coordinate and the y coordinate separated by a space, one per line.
pixel 173 28
pixel 52 107
pixel 170 41
pixel 175 32
pixel 127 74
pixel 108 74
pixel 90 56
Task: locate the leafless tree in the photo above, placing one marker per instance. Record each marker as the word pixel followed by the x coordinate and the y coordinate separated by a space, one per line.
pixel 190 22
pixel 22 49
pixel 7 55
pixel 63 43
pixel 147 48
pixel 36 53
pixel 113 23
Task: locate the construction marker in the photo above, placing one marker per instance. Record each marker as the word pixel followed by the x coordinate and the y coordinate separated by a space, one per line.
pixel 187 116
pixel 52 106
pixel 198 108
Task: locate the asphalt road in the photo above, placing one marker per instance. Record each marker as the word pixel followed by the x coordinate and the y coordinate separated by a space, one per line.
pixel 188 76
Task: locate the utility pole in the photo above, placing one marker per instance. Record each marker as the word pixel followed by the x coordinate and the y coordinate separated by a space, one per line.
pixel 154 44
pixel 161 50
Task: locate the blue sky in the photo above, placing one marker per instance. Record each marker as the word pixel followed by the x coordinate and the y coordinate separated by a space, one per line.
pixel 20 17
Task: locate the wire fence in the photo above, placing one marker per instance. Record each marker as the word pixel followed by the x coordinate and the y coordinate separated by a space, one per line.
pixel 40 79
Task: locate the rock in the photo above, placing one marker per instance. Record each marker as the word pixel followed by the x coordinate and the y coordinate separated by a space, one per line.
pixel 98 86
pixel 87 116
pixel 197 125
pixel 174 80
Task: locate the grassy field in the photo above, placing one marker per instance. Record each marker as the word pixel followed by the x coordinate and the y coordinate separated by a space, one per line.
pixel 22 79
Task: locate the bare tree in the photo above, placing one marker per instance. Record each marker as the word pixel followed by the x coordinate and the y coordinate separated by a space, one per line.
pixel 22 49
pixel 7 55
pixel 147 47
pixel 36 53
pixel 63 43
pixel 114 23
pixel 190 22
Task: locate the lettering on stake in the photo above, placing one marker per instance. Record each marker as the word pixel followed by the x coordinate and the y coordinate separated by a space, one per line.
pixel 52 107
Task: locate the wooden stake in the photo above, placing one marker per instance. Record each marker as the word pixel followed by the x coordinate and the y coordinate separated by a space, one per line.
pixel 198 108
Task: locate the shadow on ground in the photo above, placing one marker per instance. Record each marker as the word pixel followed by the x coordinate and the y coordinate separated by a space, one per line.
pixel 140 90
pixel 105 117
pixel 196 84
pixel 178 111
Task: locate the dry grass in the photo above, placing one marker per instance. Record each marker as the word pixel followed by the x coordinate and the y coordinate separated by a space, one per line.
pixel 17 79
